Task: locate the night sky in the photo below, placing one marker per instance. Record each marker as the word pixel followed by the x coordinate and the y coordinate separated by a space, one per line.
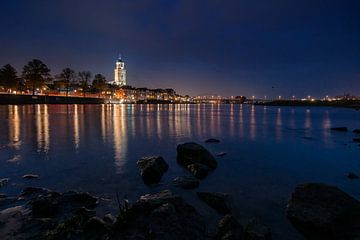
pixel 242 47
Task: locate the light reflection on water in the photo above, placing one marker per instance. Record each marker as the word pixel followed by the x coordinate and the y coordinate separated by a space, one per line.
pixel 95 147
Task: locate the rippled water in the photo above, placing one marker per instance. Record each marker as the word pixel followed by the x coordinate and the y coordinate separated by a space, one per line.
pixel 94 148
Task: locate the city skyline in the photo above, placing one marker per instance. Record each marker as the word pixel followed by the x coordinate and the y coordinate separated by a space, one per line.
pixel 282 48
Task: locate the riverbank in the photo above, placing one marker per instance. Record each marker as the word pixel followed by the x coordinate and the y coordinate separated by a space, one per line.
pixel 317 103
pixel 43 99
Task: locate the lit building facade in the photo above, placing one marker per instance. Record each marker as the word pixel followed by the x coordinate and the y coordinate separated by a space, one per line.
pixel 120 73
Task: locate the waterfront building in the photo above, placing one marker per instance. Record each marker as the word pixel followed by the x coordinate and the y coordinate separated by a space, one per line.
pixel 120 73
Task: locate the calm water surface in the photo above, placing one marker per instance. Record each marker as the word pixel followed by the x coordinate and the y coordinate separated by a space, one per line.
pixel 94 148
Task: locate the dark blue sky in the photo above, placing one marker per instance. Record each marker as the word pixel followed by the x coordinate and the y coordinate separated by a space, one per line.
pixel 243 47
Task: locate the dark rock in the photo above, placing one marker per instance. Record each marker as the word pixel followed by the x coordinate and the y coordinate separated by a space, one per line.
pixel 30 176
pixel 96 225
pixel 322 211
pixel 152 169
pixel 357 131
pixel 3 182
pixel 32 192
pixel 257 231
pixel 221 154
pixel 44 208
pixel 356 139
pixel 352 175
pixel 75 199
pixel 339 129
pixel 218 201
pixel 200 171
pixel 190 153
pixel 109 218
pixel 229 229
pixel 212 140
pixel 161 216
pixel 186 182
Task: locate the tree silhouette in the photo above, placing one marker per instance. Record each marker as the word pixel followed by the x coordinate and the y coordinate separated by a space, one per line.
pixel 84 77
pixel 68 76
pixel 8 77
pixel 99 83
pixel 36 73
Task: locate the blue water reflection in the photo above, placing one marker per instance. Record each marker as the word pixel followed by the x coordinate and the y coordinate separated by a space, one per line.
pixel 95 148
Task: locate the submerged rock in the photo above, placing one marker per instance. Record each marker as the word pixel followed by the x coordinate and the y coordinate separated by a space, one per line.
pixel 220 202
pixel 356 139
pixel 356 131
pixel 212 140
pixel 321 211
pixel 161 216
pixel 191 153
pixel 221 154
pixel 152 169
pixel 186 182
pixel 352 176
pixel 339 129
pixel 200 171
pixel 3 182
pixel 229 229
pixel 30 176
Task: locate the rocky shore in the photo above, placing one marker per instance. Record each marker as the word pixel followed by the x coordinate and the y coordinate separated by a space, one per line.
pixel 317 211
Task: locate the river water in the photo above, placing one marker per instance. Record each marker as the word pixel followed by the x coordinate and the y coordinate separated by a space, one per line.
pixel 94 148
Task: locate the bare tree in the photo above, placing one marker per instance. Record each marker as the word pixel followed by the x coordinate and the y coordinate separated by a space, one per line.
pixel 68 76
pixel 84 77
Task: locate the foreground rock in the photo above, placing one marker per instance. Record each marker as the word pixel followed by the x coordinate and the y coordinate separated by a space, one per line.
pixel 186 182
pixel 152 169
pixel 199 171
pixel 339 129
pixel 322 211
pixel 229 229
pixel 193 153
pixel 161 216
pixel 220 202
pixel 44 214
pixel 212 140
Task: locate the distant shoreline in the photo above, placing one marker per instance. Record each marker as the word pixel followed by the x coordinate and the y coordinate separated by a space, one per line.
pixel 317 103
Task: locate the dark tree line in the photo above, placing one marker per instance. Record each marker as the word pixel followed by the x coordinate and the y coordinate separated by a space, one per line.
pixel 35 74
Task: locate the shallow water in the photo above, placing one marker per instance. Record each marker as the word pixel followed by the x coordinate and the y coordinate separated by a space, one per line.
pixel 94 148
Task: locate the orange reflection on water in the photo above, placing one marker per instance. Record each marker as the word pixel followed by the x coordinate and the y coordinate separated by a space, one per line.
pixel 252 123
pixel 119 136
pixel 42 128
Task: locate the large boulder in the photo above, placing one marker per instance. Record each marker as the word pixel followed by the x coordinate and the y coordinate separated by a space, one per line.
pixel 152 169
pixel 199 171
pixel 229 229
pixel 190 153
pixel 321 211
pixel 220 202
pixel 161 216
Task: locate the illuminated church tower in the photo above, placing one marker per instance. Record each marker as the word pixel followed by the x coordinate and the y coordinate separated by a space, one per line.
pixel 120 73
